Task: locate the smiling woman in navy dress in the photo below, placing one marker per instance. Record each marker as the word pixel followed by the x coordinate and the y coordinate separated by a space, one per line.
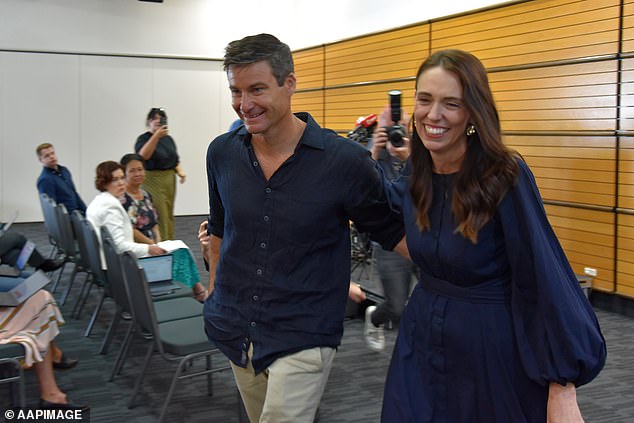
pixel 498 329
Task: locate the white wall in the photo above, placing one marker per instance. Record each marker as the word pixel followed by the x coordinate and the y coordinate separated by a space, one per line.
pixel 202 28
pixel 90 101
pixel 92 108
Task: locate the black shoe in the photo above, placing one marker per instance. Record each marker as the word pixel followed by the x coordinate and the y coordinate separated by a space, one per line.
pixel 50 265
pixel 58 406
pixel 65 363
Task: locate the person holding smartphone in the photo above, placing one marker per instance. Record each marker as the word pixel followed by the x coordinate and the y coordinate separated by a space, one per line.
pixel 158 149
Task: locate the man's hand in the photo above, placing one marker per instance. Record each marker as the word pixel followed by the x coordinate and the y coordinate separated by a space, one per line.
pixel 355 293
pixel 203 238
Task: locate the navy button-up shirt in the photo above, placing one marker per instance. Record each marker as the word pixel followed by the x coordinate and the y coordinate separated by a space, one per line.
pixel 58 184
pixel 284 268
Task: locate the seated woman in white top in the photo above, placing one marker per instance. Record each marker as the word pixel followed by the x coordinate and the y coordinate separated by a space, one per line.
pixel 106 210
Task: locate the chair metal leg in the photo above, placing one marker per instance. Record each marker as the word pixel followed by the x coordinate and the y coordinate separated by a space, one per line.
pixel 87 282
pixel 62 301
pixel 210 388
pixel 94 315
pixel 107 339
pixel 53 252
pixel 123 352
pixel 82 301
pixel 127 348
pixel 57 280
pixel 139 381
pixel 19 379
pixel 170 393
pixel 21 387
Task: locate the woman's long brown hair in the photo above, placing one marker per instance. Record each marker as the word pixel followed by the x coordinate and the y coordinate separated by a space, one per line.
pixel 489 168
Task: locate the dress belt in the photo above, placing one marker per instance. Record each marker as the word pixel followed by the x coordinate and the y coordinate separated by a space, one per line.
pixel 494 291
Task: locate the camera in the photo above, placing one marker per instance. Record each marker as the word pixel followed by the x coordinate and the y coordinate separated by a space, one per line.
pixel 396 132
pixel 363 129
pixel 163 120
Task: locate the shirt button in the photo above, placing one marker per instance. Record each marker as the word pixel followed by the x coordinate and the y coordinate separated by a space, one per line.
pixel 252 324
pixel 266 218
pixel 255 298
pixel 262 244
pixel 267 190
pixel 259 272
pixel 255 164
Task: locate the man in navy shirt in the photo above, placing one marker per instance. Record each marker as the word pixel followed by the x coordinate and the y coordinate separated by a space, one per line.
pixel 282 193
pixel 56 180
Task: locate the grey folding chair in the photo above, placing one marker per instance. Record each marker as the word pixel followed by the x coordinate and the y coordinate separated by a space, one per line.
pixel 54 233
pixel 99 277
pixel 67 247
pixel 166 309
pixel 10 355
pixel 48 211
pixel 180 341
pixel 76 219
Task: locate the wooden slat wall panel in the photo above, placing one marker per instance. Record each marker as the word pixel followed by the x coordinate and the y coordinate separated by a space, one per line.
pixel 389 55
pixel 533 32
pixel 628 26
pixel 587 237
pixel 311 102
pixel 627 95
pixel 626 174
pixel 572 169
pixel 624 264
pixel 309 68
pixel 553 67
pixel 345 105
pixel 550 98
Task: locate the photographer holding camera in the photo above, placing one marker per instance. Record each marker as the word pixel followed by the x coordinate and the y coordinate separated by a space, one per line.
pixel 162 163
pixel 390 149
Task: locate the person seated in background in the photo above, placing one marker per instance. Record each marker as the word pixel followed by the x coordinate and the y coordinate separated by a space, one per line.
pixel 34 324
pixel 56 180
pixel 106 210
pixel 11 244
pixel 144 217
pixel 138 202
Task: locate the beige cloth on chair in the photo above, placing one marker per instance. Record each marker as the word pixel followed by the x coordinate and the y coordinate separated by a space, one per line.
pixel 34 324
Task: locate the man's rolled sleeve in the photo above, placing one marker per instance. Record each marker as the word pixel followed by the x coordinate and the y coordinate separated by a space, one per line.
pixel 216 210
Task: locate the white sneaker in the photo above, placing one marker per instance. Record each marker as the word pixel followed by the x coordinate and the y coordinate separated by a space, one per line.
pixel 374 336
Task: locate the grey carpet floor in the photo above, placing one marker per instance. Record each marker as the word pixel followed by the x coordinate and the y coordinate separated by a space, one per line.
pixel 353 393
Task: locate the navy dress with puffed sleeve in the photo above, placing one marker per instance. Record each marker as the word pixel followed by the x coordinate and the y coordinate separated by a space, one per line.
pixel 491 324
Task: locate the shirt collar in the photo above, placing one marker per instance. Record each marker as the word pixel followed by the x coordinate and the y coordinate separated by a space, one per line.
pixel 57 171
pixel 310 138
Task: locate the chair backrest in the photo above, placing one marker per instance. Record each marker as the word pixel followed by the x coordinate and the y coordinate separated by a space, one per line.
pixel 50 218
pixel 76 219
pixel 66 235
pixel 114 271
pixel 93 251
pixel 141 305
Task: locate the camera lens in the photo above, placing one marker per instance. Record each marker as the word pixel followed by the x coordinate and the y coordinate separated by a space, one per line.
pixel 395 135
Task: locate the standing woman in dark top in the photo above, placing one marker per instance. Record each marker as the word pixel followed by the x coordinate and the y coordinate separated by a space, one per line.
pixel 158 149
